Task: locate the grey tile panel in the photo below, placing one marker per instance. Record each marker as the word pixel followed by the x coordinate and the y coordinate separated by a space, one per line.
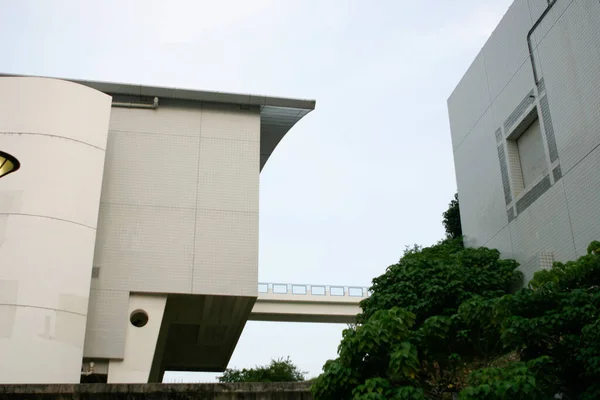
pixel 504 173
pixel 499 137
pixel 549 129
pixel 557 173
pixel 511 214
pixel 541 86
pixel 533 194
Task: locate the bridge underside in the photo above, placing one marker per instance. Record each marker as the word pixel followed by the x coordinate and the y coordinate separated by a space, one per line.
pixel 199 333
pixel 304 311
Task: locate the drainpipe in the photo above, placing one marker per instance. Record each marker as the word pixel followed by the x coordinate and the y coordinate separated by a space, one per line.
pixel 531 56
pixel 152 106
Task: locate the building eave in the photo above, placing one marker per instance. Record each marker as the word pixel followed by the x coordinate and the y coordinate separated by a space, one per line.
pixel 278 114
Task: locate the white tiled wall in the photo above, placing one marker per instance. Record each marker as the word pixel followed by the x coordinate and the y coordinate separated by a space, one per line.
pixel 227 175
pixel 145 169
pixel 584 205
pixel 564 219
pixel 502 242
pixel 478 172
pixel 544 227
pixel 514 91
pixel 469 101
pixel 226 253
pixel 506 49
pixel 571 56
pixel 175 120
pixel 139 247
pixel 179 208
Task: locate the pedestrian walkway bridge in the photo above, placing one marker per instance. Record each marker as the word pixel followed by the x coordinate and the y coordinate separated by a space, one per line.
pixel 307 303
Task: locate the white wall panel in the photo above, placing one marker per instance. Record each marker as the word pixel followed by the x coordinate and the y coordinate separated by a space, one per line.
pixel 469 101
pixel 179 120
pixel 506 50
pixel 582 187
pixel 558 217
pixel 226 253
pixel 58 178
pixel 479 184
pixel 143 248
pixel 48 214
pixel 228 175
pixel 179 210
pixel 54 107
pixel 571 55
pixel 151 170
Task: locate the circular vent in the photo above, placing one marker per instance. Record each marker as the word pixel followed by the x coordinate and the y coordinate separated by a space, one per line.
pixel 138 318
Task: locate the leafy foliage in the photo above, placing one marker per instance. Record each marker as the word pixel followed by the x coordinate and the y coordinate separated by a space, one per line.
pixel 451 219
pixel 436 280
pixel 281 370
pixel 585 272
pixel 559 318
pixel 450 322
pixel 516 381
pixel 429 319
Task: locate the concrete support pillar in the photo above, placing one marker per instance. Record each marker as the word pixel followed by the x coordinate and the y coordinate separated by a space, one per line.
pixel 145 318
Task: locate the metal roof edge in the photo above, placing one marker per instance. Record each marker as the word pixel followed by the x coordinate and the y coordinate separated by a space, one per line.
pixel 185 94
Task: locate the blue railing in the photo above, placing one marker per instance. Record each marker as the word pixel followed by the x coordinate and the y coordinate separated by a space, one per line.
pixel 314 290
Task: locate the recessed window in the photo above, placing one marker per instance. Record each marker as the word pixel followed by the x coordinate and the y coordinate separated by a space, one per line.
pixel 526 152
pixel 138 318
pixel 532 156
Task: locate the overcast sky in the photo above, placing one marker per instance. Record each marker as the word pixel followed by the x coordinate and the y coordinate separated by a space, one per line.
pixel 367 173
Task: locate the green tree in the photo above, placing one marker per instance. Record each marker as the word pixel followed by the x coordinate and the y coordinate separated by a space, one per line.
pixel 557 319
pixel 451 219
pixel 429 321
pixel 448 322
pixel 281 370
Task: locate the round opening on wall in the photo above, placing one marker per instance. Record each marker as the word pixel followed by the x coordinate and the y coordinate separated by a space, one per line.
pixel 138 318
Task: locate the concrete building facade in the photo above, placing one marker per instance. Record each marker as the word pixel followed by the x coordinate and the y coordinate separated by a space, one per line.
pixel 129 236
pixel 525 123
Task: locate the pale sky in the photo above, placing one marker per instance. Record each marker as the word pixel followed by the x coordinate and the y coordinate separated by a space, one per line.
pixel 367 173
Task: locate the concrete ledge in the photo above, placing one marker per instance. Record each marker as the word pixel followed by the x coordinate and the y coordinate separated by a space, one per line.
pixel 157 391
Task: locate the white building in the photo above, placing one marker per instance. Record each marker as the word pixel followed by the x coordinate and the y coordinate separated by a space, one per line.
pixel 525 122
pixel 129 235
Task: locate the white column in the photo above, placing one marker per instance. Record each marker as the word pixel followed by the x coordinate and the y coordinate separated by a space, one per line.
pixel 48 214
pixel 140 340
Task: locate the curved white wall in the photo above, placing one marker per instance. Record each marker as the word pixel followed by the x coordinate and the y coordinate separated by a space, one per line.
pixel 48 217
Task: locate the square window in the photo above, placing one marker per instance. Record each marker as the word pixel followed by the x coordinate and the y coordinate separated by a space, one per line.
pixel 526 153
pixel 532 156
